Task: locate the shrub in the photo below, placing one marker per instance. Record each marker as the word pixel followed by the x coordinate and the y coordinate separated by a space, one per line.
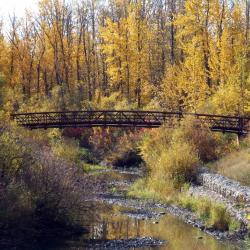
pixel 67 149
pixel 234 225
pixel 210 146
pixel 186 201
pixel 34 182
pixel 173 155
pixel 116 147
pixel 248 242
pixel 87 156
pixel 203 207
pixel 219 218
pixel 179 163
pixel 170 159
pixel 103 140
pixel 128 159
pixel 55 187
pixel 147 189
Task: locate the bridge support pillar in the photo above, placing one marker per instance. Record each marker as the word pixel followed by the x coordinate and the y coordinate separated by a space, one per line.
pixel 239 138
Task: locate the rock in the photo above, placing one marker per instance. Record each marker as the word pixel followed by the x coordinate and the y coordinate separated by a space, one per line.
pixel 226 187
pixel 162 213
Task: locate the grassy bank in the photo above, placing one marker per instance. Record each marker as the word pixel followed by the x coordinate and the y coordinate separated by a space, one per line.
pixel 235 165
pixel 213 214
pixel 90 168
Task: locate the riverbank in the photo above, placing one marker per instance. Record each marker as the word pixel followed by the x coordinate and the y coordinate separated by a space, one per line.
pixel 236 234
pixel 155 212
pixel 61 179
pixel 207 195
pixel 112 220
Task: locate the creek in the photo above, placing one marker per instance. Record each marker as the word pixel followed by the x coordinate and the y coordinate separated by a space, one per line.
pixel 113 222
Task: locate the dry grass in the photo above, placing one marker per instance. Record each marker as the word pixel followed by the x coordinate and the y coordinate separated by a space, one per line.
pixel 235 166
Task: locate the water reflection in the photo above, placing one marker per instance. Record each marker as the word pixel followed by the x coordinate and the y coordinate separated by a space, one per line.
pixel 105 222
pixel 108 223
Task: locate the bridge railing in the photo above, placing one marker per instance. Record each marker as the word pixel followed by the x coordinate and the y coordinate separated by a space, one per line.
pixel 124 118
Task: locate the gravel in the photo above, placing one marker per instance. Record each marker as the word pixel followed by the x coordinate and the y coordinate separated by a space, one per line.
pixel 124 244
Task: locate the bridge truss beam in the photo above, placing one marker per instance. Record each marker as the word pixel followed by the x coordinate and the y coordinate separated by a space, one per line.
pixel 124 118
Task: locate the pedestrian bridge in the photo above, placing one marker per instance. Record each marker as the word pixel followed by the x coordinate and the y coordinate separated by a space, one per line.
pixel 128 118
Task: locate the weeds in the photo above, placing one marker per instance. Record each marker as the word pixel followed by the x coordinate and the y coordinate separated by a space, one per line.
pixel 158 192
pixel 89 168
pixel 214 215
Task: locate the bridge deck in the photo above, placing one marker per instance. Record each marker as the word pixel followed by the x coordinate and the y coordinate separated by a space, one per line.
pixel 124 118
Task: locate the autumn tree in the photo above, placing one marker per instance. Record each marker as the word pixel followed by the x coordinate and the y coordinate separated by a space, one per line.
pixel 173 55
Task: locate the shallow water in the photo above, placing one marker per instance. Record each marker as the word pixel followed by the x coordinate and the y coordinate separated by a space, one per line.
pixel 111 222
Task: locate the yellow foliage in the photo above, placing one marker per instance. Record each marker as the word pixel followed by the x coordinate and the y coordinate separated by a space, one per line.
pixel 126 49
pixel 67 149
pixel 170 159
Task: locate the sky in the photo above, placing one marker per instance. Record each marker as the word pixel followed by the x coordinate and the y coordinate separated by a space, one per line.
pixel 18 6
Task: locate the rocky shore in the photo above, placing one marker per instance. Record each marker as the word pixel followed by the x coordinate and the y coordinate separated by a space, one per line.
pixel 223 190
pixel 125 244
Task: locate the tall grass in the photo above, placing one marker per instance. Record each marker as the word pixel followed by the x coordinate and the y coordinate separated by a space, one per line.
pixel 213 214
pixel 236 165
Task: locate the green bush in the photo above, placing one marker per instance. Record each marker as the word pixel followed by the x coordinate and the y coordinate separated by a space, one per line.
pixel 203 209
pixel 87 156
pixel 234 224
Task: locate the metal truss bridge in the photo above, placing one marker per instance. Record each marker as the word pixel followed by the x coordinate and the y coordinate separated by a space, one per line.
pixel 126 118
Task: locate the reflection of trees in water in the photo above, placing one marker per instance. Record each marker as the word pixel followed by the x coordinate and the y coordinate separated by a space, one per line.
pixel 178 234
pixel 116 227
pixel 107 223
